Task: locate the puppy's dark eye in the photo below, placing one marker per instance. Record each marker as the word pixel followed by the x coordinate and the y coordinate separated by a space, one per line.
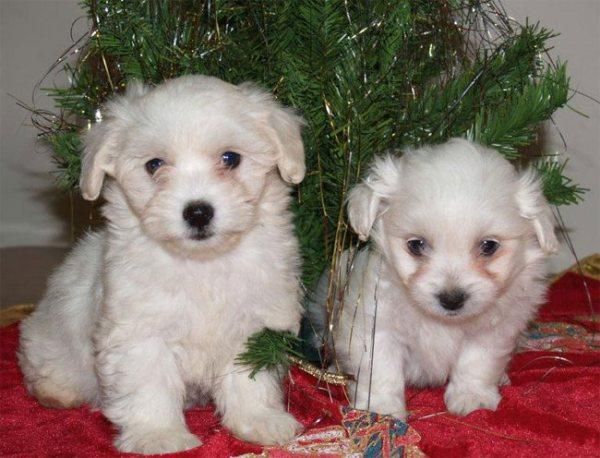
pixel 231 159
pixel 153 165
pixel 488 247
pixel 416 246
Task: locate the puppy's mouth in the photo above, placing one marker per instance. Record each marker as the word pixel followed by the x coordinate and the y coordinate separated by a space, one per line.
pixel 457 316
pixel 447 315
pixel 200 235
pixel 205 234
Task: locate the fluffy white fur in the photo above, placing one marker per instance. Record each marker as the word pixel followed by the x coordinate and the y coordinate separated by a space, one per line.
pixel 143 318
pixel 453 197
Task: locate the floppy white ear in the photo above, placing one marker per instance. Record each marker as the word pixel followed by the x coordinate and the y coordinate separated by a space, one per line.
pixel 534 207
pixel 363 207
pixel 283 128
pixel 97 160
pixel 100 142
pixel 366 200
pixel 285 133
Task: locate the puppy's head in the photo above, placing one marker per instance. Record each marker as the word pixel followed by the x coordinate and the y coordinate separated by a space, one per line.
pixel 192 158
pixel 457 223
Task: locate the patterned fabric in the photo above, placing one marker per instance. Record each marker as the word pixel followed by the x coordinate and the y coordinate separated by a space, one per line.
pixel 361 434
pixel 560 337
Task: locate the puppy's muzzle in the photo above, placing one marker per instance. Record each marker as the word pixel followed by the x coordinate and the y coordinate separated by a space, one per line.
pixel 198 216
pixel 452 300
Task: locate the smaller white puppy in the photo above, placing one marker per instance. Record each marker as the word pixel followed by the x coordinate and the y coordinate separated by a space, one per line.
pixel 147 316
pixel 454 273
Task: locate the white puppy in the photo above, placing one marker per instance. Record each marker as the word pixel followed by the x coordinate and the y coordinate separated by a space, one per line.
pixel 148 315
pixel 453 275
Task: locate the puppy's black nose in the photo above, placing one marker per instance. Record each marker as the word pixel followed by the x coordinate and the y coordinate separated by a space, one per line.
pixel 198 215
pixel 453 299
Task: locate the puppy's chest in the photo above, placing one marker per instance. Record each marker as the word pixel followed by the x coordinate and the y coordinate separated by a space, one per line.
pixel 210 315
pixel 432 352
pixel 210 334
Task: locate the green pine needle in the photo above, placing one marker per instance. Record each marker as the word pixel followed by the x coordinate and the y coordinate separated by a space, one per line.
pixel 269 349
pixel 559 189
pixel 66 146
pixel 513 125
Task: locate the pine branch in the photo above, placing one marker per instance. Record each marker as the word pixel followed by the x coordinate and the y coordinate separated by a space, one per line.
pixel 268 350
pixel 450 108
pixel 514 124
pixel 558 189
pixel 349 68
pixel 67 148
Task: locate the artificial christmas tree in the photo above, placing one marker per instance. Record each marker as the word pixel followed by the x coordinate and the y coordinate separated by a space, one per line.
pixel 367 76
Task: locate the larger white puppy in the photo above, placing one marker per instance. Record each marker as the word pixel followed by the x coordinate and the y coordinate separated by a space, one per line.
pixel 454 272
pixel 148 315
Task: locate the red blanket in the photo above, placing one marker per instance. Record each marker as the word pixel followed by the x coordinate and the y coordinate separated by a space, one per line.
pixel 551 408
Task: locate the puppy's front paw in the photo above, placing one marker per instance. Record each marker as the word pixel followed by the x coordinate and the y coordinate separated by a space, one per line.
pixel 386 404
pixel 156 442
pixel 463 400
pixel 266 428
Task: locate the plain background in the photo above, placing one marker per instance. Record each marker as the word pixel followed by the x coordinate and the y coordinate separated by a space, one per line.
pixel 33 33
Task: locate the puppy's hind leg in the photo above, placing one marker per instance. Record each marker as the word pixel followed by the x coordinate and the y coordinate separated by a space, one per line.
pixel 55 351
pixel 51 373
pixel 57 366
pixel 253 409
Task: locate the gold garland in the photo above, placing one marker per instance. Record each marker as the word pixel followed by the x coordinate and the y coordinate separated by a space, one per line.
pixel 14 313
pixel 590 267
pixel 320 374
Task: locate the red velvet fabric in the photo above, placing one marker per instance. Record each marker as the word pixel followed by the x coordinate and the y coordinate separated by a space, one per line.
pixel 551 408
pixel 573 299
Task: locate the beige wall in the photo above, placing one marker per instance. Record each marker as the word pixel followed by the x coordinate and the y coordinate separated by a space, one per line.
pixel 578 22
pixel 34 32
